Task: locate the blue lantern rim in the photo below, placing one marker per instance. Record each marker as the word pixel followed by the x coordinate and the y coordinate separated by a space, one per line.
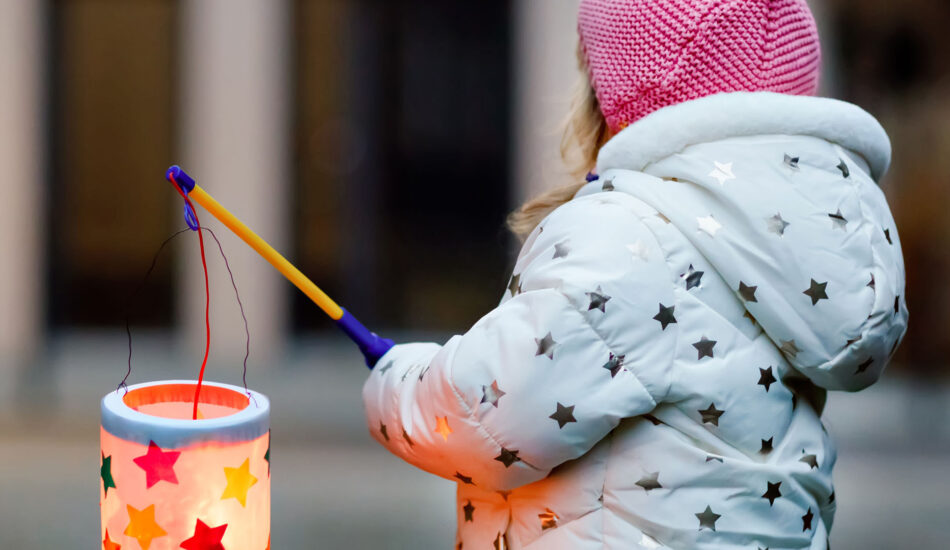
pixel 127 423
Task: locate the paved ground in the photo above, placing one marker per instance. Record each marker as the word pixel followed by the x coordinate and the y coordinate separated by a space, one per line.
pixel 334 488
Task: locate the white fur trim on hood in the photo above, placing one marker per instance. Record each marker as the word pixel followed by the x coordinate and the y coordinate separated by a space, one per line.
pixel 672 129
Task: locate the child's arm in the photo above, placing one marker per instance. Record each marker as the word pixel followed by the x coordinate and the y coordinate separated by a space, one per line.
pixel 545 376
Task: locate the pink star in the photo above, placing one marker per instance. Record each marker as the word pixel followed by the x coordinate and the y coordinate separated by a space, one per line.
pixel 205 538
pixel 158 465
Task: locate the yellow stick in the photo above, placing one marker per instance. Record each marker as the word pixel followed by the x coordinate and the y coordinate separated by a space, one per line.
pixel 267 251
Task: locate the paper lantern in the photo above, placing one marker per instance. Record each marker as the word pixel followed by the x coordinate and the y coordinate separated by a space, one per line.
pixel 170 482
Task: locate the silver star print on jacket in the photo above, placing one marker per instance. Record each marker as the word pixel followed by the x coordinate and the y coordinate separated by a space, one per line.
pixel 660 384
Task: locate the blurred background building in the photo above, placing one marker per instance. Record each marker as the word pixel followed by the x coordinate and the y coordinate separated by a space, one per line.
pixel 380 144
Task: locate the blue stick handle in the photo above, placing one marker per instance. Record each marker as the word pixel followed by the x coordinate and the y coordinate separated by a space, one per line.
pixel 372 345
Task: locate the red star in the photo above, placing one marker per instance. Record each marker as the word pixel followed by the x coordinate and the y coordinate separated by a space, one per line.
pixel 206 538
pixel 107 543
pixel 158 465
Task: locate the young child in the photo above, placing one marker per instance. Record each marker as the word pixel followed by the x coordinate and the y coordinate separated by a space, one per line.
pixel 655 373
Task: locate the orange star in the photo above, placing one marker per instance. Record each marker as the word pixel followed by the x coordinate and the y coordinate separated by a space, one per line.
pixel 240 481
pixel 142 526
pixel 442 427
pixel 108 544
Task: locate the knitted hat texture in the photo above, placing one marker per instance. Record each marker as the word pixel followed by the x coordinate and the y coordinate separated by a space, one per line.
pixel 644 55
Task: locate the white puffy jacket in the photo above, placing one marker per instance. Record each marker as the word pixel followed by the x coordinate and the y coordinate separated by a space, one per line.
pixel 655 374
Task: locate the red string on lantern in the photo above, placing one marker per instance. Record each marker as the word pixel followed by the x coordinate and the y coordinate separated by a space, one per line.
pixel 204 267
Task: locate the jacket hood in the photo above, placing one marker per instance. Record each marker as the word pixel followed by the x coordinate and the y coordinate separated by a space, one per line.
pixel 779 194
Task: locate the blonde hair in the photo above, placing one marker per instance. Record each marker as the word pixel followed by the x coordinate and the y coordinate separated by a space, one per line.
pixel 584 132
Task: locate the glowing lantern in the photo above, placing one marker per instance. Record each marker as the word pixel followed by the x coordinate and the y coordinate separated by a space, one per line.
pixel 171 482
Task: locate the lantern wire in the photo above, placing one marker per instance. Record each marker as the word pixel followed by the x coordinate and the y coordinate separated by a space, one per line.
pixel 204 265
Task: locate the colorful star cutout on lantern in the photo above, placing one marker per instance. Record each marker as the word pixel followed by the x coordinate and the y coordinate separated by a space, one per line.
pixel 109 544
pixel 142 526
pixel 207 538
pixel 105 472
pixel 240 481
pixel 442 427
pixel 159 465
pixel 267 454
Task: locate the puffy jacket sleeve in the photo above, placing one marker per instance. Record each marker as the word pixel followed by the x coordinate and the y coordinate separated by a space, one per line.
pixel 578 343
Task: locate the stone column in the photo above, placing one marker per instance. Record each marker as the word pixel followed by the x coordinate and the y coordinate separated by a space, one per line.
pixel 22 227
pixel 545 71
pixel 234 139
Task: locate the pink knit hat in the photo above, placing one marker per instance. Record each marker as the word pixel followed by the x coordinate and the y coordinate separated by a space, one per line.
pixel 647 54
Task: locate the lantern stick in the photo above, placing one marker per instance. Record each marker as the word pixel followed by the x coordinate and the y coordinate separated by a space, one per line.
pixel 372 346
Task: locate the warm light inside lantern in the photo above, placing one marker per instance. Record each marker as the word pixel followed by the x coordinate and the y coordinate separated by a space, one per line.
pixel 170 482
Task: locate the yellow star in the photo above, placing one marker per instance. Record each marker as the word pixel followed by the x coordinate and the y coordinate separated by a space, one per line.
pixel 442 427
pixel 240 481
pixel 142 526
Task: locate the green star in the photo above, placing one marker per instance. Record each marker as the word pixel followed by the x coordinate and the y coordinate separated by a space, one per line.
pixel 267 454
pixel 106 473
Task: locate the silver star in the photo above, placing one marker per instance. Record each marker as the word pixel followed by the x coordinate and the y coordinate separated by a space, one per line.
pixel 811 460
pixel 711 415
pixel 507 457
pixel 707 519
pixel 563 415
pixel 887 235
pixel 663 217
pixel 806 520
pixel 650 481
pixel 789 348
pixel 722 172
pixel 766 446
pixel 608 185
pixel 561 250
pixel 864 366
pixel 639 250
pixel 546 346
pixel 704 347
pixel 386 367
pixel 816 291
pixel 772 492
pixel 843 166
pixel 598 300
pixel 469 511
pixel 791 162
pixel 665 316
pixel 871 284
pixel 776 224
pixel 614 364
pixel 711 458
pixel 747 292
pixel 515 284
pixel 766 378
pixel 709 225
pixel 548 519
pixel 491 394
pixel 838 221
pixel 693 277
